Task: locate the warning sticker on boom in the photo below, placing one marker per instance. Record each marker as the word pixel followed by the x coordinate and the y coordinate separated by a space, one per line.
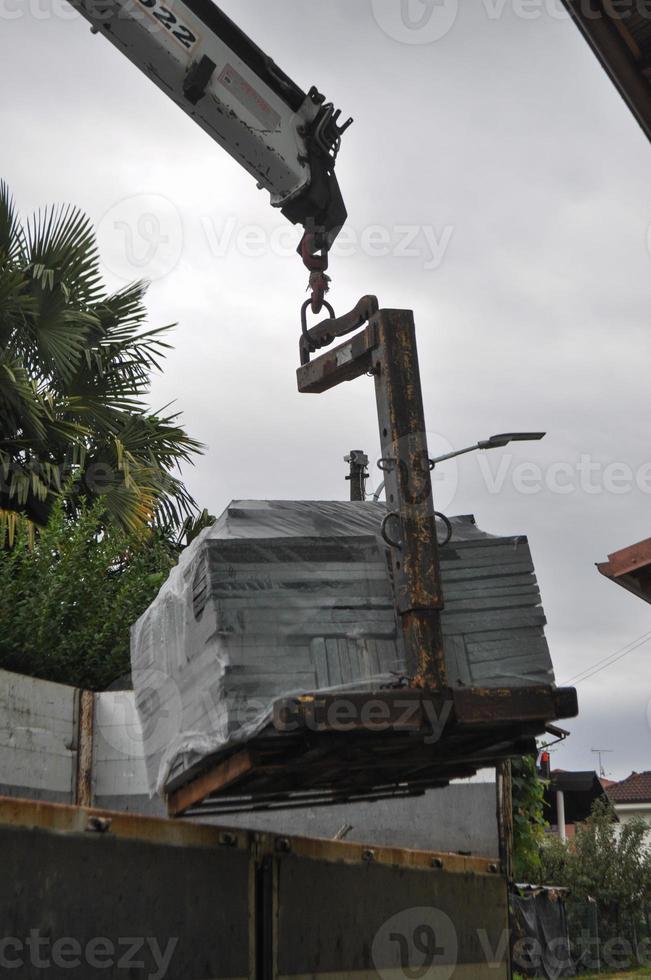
pixel 247 96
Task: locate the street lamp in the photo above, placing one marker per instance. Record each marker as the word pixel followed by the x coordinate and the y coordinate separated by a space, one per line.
pixel 495 442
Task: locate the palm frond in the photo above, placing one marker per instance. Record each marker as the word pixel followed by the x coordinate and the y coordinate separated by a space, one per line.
pixel 75 365
pixel 12 237
pixel 61 245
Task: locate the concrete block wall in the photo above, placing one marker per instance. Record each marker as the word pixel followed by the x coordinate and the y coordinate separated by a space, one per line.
pixel 38 738
pixel 119 774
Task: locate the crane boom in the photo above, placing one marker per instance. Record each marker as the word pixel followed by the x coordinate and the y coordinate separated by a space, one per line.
pixel 285 138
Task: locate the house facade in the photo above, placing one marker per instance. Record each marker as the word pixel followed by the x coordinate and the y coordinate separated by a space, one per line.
pixel 632 797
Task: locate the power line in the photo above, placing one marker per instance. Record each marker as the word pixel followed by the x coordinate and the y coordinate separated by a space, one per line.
pixel 614 661
pixel 609 660
pixel 627 646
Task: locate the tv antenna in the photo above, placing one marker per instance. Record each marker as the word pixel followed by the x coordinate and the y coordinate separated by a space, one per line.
pixel 600 753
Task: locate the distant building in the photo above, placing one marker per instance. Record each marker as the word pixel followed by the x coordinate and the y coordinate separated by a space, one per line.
pixel 569 798
pixel 632 797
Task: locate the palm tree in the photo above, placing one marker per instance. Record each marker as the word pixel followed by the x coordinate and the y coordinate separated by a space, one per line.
pixel 75 366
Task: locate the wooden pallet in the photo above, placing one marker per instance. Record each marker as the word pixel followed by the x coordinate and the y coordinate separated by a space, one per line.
pixel 322 749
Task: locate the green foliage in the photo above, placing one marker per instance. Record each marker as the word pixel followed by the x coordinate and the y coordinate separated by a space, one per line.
pixel 528 819
pixel 606 861
pixel 67 602
pixel 75 367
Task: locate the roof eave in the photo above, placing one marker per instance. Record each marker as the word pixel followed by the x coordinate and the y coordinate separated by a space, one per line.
pixel 618 52
pixel 631 568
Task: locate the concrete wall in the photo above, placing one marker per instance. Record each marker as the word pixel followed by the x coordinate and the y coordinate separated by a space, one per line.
pixel 38 738
pixel 631 811
pixel 39 743
pixel 119 774
pixel 460 818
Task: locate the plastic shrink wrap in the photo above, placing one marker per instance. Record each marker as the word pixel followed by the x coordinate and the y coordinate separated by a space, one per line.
pixel 288 597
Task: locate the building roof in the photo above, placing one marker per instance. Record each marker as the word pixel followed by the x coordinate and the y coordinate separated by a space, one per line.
pixel 580 790
pixel 620 36
pixel 631 568
pixel 636 788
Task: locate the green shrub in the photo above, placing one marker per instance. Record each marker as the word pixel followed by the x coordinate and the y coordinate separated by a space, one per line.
pixel 68 600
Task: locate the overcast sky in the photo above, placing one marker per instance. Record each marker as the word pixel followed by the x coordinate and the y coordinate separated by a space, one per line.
pixel 496 184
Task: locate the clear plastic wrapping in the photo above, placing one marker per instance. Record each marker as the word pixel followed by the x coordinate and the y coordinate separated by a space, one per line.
pixel 283 598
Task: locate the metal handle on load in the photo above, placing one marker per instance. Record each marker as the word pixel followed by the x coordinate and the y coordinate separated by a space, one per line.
pixel 396 544
pixel 383 529
pixel 448 526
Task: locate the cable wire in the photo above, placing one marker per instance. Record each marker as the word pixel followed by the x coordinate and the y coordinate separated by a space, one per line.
pixel 611 659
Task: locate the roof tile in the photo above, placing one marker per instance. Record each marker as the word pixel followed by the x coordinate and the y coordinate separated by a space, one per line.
pixel 636 788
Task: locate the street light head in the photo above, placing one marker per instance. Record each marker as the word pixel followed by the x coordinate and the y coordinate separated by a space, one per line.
pixel 495 442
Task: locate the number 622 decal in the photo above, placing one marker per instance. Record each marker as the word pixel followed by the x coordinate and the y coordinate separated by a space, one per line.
pixel 170 22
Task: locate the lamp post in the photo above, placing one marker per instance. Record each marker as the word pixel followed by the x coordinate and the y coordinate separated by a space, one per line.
pixel 494 442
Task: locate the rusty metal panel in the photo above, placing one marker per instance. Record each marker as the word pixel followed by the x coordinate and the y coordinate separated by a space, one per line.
pixel 338 920
pixel 632 559
pixel 88 894
pixel 631 568
pixel 96 903
pixel 346 362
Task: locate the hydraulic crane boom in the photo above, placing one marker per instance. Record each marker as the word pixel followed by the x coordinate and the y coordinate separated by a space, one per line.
pixel 287 139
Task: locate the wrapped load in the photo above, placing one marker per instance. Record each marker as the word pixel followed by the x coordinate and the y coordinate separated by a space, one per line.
pixel 283 598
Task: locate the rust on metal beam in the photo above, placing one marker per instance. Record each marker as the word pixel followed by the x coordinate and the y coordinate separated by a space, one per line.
pixel 387 349
pixel 631 568
pixel 346 362
pixel 84 767
pixel 348 852
pixel 411 710
pixel 405 459
pixel 495 705
pixel 627 560
pixel 224 775
pixel 58 818
pixel 128 826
